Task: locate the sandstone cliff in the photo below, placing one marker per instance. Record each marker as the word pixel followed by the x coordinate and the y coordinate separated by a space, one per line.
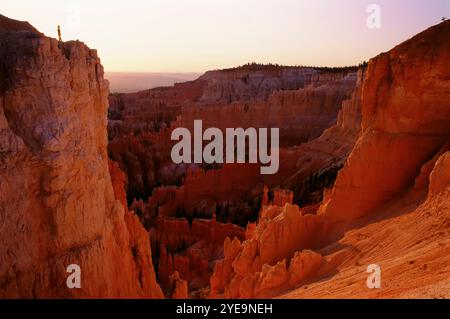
pixel 318 160
pixel 252 82
pixel 57 202
pixel 405 121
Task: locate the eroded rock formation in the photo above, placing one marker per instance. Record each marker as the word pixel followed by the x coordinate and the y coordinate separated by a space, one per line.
pixel 405 121
pixel 58 205
pixel 189 249
pixel 394 186
pixel 301 101
pixel 271 259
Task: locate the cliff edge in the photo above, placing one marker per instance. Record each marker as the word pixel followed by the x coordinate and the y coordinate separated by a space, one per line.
pixel 57 203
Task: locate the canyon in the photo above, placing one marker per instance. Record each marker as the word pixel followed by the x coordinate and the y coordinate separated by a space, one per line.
pixel 185 197
pixel 87 178
pixel 372 214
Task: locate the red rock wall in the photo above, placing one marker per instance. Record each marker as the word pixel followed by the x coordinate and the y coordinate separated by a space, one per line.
pixel 57 203
pixel 405 121
pixel 233 184
pixel 331 149
pixel 140 134
pixel 301 114
pixel 172 232
pixel 259 266
pixel 252 83
pixel 189 249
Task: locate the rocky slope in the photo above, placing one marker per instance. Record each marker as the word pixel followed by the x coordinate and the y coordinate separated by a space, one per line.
pixel 57 202
pixel 409 238
pixel 7 24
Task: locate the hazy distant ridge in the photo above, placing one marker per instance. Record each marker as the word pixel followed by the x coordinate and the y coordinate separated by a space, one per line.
pixel 126 82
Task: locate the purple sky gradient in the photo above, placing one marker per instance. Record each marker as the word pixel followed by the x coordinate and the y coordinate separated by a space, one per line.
pixel 198 35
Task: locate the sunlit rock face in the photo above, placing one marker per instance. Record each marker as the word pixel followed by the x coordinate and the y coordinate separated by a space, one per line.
pixel 271 259
pixel 405 121
pixel 57 203
pixel 394 186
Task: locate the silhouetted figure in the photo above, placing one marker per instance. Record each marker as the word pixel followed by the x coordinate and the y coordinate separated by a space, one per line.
pixel 59 34
pixel 444 18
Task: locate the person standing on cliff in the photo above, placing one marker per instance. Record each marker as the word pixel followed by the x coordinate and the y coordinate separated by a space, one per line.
pixel 59 34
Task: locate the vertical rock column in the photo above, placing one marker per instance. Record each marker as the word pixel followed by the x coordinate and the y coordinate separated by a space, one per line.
pixel 57 204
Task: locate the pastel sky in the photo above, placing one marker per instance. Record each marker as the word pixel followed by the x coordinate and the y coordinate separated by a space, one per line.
pixel 199 35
